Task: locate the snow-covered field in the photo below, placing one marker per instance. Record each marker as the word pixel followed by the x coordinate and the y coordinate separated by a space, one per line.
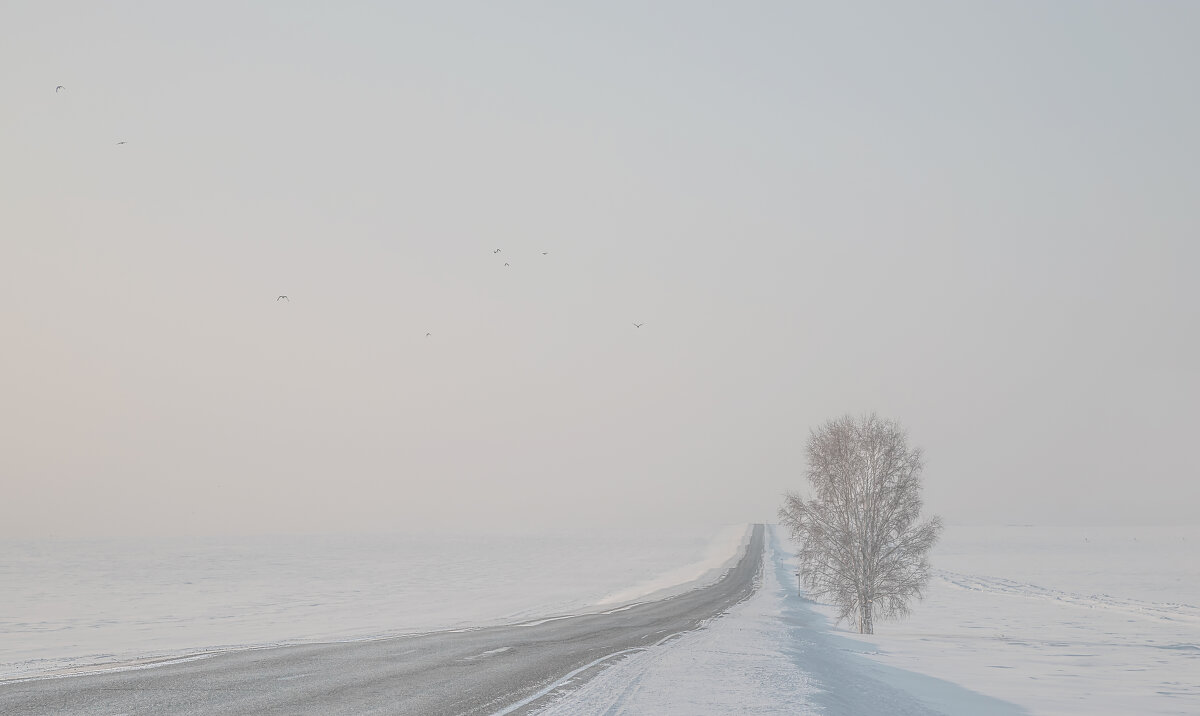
pixel 70 604
pixel 1019 620
pixel 1060 620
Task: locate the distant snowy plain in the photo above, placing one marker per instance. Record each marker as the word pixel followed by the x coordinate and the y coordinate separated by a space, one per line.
pixel 80 605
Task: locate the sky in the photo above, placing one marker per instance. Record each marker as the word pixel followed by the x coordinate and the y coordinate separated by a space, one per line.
pixel 976 218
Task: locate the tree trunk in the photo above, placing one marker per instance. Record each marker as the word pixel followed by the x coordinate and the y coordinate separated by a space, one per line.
pixel 865 624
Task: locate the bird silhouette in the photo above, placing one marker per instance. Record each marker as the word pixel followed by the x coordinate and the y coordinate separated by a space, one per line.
pixel 428 335
pixel 496 251
pixel 505 263
pixel 58 89
pixel 283 298
pixel 544 253
pixel 122 142
pixel 638 325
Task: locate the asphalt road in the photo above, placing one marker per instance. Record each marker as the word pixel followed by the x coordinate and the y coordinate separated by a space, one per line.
pixel 506 669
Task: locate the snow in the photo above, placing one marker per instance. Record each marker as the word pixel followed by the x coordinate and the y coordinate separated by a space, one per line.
pixel 774 653
pixel 734 665
pixel 1018 621
pixel 1059 620
pixel 71 605
pixel 723 553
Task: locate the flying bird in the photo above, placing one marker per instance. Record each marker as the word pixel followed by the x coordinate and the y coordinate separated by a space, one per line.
pixel 505 263
pixel 544 253
pixel 428 335
pixel 283 298
pixel 638 325
pixel 122 142
pixel 496 251
pixel 58 89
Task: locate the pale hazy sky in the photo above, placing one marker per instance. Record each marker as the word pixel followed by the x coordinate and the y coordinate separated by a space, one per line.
pixel 980 219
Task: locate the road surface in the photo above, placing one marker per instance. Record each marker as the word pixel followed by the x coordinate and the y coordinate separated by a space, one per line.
pixel 488 671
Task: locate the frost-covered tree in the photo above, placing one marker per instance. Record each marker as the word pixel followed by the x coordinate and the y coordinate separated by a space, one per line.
pixel 861 547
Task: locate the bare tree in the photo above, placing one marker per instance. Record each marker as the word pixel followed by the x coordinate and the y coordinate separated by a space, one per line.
pixel 861 547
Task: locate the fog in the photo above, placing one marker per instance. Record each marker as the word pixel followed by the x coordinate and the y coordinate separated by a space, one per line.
pixel 978 219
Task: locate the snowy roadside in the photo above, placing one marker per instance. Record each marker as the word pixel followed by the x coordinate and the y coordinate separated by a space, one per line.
pixel 772 654
pixel 733 665
pixel 726 549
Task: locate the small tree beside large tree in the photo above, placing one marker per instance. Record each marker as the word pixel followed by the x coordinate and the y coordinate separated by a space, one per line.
pixel 861 547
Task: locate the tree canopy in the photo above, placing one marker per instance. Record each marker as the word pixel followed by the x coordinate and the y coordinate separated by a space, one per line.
pixel 861 546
